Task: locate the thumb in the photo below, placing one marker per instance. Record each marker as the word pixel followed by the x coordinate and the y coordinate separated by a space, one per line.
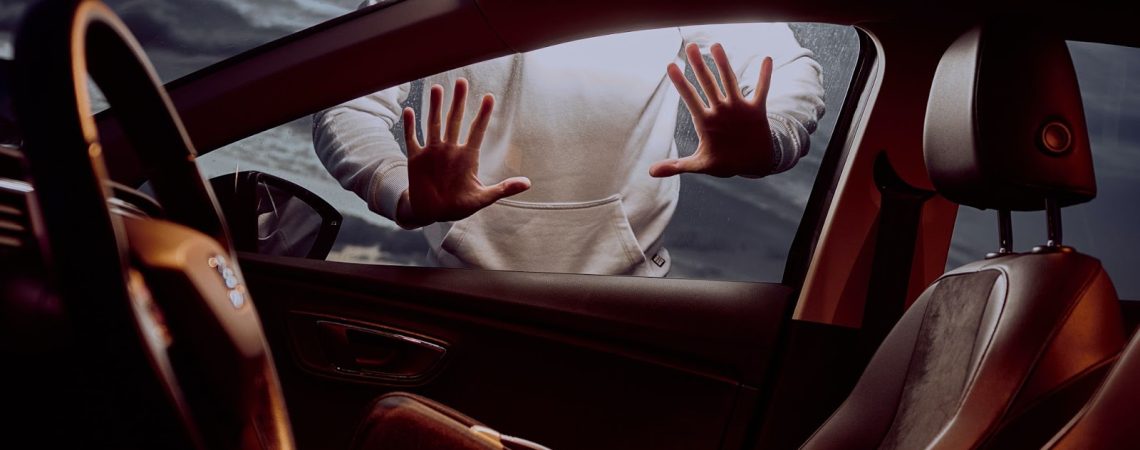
pixel 671 167
pixel 503 189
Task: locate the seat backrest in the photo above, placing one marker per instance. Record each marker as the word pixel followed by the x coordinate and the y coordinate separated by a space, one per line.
pixel 1001 352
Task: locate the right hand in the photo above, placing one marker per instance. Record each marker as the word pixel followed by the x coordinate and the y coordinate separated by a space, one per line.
pixel 443 181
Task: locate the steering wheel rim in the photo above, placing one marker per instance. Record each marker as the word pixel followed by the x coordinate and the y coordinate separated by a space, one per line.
pixel 129 82
pixel 104 286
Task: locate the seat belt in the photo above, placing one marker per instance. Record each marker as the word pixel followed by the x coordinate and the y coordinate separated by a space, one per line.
pixel 895 241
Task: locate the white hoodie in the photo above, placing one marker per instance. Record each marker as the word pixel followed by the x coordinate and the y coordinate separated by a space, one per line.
pixel 584 121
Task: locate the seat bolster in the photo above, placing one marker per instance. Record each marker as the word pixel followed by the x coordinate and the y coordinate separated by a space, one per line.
pixel 1089 337
pixel 866 416
pixel 1108 421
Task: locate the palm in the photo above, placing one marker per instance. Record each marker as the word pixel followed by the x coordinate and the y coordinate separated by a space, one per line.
pixel 735 138
pixel 733 141
pixel 448 197
pixel 443 181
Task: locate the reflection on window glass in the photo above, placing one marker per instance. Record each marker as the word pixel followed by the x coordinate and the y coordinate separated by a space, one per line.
pixel 584 121
pixel 1106 226
pixel 181 36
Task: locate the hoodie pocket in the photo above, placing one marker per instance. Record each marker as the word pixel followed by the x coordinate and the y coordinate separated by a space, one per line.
pixel 581 237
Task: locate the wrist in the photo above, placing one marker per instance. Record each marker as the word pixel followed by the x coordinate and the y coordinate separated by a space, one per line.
pixel 770 159
pixel 405 216
pixel 775 153
pixel 787 144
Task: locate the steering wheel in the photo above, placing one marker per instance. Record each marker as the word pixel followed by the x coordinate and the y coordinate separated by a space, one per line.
pixel 156 305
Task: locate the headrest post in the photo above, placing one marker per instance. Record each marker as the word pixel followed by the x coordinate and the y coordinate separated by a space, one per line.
pixel 1053 222
pixel 1005 230
pixel 1005 234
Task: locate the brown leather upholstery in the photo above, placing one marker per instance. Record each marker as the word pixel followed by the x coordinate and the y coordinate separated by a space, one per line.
pixel 403 421
pixel 1109 421
pixel 1001 104
pixel 984 345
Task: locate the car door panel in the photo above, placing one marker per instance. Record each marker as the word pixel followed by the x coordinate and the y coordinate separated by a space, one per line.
pixel 573 361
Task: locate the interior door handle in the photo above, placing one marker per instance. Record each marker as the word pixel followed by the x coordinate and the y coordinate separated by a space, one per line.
pixel 376 353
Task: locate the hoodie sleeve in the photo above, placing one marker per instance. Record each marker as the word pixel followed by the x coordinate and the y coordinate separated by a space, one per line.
pixel 795 97
pixel 354 141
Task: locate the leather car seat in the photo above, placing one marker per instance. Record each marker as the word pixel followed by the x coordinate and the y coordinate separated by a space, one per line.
pixel 998 353
pixel 403 421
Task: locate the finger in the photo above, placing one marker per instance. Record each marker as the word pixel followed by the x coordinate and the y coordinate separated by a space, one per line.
pixel 727 76
pixel 688 93
pixel 765 81
pixel 434 105
pixel 704 75
pixel 670 167
pixel 455 114
pixel 410 140
pixel 503 189
pixel 479 125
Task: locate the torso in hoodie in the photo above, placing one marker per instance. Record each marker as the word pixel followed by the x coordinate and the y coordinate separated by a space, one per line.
pixel 584 121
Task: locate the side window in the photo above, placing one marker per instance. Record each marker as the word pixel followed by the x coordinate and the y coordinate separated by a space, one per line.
pixel 1107 226
pixel 584 121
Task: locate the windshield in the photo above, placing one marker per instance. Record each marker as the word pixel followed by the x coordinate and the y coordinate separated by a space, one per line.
pixel 181 37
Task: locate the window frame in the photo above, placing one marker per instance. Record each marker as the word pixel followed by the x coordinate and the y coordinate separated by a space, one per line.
pixel 824 185
pixel 802 250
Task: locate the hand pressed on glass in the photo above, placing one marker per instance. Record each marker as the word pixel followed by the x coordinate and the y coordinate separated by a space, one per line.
pixel 735 138
pixel 443 181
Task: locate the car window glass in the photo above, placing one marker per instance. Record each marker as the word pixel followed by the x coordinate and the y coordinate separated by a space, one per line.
pixel 722 228
pixel 1107 226
pixel 181 37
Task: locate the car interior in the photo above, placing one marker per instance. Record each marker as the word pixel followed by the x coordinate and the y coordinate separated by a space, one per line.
pixel 141 308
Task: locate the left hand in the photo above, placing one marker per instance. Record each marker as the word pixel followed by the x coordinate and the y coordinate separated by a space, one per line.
pixel 734 135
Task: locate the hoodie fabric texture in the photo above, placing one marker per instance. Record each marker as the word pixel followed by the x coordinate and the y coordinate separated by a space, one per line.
pixel 584 121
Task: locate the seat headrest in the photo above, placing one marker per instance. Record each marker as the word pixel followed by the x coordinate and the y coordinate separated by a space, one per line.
pixel 1005 126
